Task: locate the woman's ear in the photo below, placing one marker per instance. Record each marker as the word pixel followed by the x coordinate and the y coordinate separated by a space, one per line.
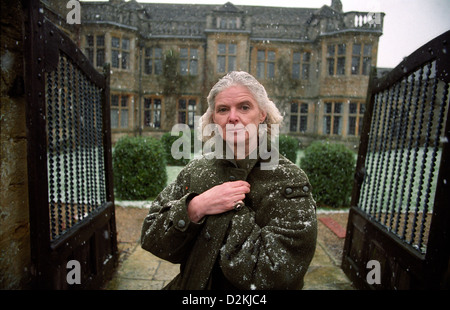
pixel 262 116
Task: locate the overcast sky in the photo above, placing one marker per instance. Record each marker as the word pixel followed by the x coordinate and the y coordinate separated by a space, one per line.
pixel 408 24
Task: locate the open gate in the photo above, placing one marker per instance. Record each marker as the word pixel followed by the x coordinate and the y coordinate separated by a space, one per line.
pixel 399 223
pixel 71 201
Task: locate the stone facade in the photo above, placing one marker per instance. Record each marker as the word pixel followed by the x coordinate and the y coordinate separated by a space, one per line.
pixel 15 254
pixel 314 63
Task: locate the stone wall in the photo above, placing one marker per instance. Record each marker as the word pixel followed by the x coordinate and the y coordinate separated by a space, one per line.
pixel 14 219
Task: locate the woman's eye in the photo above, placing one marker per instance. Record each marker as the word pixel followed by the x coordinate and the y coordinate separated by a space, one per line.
pixel 245 107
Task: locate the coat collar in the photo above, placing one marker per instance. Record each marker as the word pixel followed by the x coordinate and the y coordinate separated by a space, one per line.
pixel 247 164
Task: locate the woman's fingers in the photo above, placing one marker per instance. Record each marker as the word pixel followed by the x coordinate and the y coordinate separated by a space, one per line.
pixel 223 197
pixel 229 189
pixel 239 186
pixel 219 199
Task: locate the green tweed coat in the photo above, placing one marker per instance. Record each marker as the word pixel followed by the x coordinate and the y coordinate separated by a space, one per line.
pixel 268 244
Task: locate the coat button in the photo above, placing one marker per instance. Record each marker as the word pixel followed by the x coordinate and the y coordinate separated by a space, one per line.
pixel 305 188
pixel 181 223
pixel 232 178
pixel 288 190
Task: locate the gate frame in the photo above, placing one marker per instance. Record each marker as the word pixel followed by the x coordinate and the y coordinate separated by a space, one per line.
pixel 432 269
pixel 43 42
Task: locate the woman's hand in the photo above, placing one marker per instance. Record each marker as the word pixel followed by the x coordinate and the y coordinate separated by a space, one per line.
pixel 218 199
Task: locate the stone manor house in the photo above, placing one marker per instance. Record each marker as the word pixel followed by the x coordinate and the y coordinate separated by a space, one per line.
pixel 165 58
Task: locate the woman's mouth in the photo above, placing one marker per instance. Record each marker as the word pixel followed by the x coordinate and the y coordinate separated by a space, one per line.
pixel 235 128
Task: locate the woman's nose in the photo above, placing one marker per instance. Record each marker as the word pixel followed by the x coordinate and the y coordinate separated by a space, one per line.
pixel 233 117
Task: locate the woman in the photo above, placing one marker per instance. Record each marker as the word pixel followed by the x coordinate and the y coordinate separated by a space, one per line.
pixel 228 222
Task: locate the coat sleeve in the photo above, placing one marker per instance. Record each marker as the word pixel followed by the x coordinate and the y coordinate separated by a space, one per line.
pixel 167 231
pixel 275 256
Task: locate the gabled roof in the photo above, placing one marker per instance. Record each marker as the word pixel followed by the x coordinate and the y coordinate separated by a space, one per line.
pixel 132 5
pixel 326 11
pixel 228 8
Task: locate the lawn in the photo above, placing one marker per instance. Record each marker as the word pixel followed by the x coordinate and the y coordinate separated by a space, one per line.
pixel 172 173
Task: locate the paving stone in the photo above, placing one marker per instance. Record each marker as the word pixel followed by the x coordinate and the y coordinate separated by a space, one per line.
pixel 139 265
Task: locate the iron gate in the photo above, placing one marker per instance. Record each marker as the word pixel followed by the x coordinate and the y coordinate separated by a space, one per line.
pixel 400 217
pixel 72 221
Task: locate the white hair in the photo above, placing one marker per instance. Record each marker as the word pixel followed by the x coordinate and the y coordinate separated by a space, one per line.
pixel 241 78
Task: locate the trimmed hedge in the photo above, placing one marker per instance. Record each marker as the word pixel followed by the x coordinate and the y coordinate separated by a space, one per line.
pixel 167 140
pixel 330 168
pixel 289 147
pixel 139 166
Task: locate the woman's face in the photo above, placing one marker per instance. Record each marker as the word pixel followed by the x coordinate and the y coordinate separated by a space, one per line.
pixel 235 106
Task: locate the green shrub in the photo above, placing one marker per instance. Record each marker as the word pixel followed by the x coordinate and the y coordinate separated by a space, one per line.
pixel 289 147
pixel 139 166
pixel 330 168
pixel 167 140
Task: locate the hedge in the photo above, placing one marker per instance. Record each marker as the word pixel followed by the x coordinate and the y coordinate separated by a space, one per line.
pixel 167 140
pixel 330 168
pixel 288 147
pixel 139 167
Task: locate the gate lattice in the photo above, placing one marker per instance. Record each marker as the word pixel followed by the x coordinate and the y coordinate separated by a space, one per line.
pixel 69 160
pixel 400 213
